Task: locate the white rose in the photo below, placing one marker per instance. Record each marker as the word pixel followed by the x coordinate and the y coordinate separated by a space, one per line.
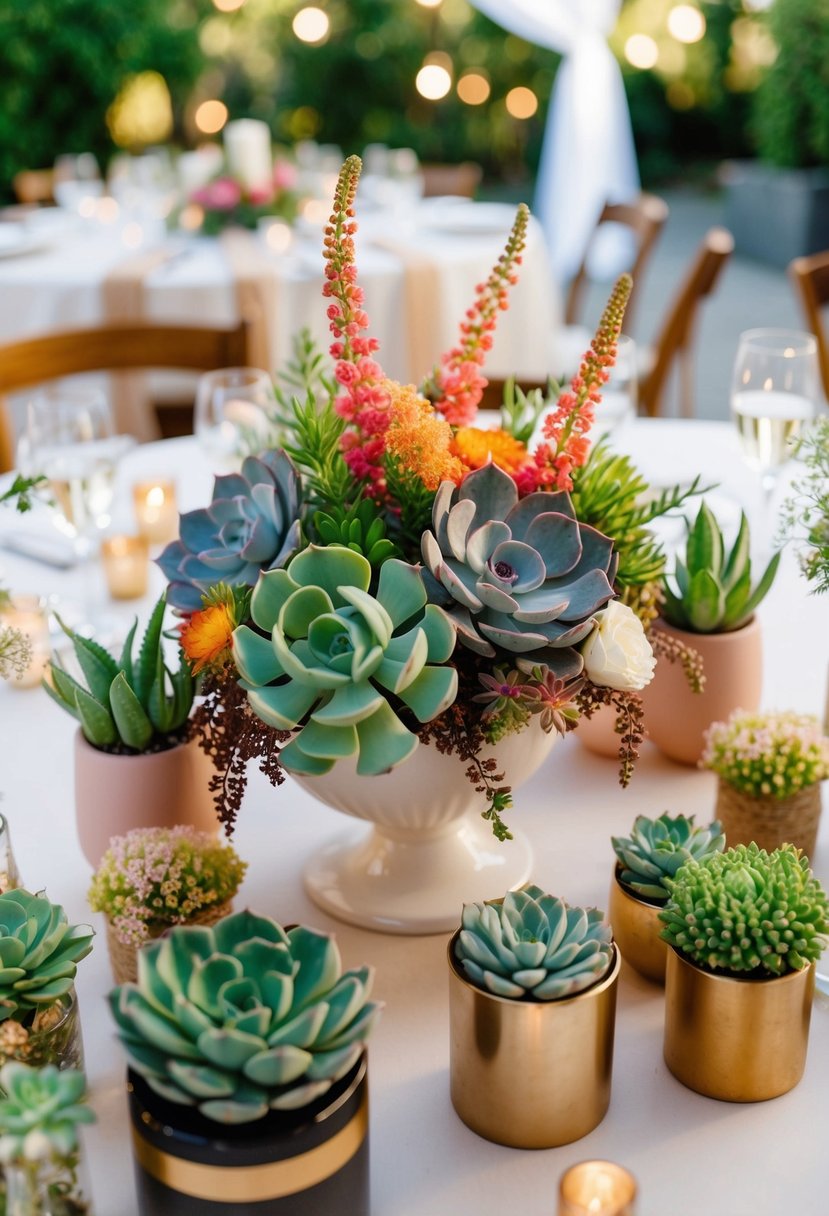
pixel 617 653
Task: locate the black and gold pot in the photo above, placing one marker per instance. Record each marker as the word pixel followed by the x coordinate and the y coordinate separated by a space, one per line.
pixel 290 1163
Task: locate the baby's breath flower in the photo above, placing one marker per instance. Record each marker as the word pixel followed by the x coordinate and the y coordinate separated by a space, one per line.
pixel 768 754
pixel 162 875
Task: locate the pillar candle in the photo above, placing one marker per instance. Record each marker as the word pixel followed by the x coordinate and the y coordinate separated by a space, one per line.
pixel 248 151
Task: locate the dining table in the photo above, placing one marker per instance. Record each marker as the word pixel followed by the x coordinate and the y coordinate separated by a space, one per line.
pixel 419 269
pixel 689 1154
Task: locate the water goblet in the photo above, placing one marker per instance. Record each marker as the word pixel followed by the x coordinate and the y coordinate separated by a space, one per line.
pixel 232 413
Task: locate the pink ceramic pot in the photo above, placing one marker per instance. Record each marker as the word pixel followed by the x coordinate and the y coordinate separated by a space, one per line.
pixel 598 734
pixel 676 717
pixel 114 794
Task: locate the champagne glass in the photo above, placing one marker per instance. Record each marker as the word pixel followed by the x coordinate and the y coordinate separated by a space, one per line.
pixel 69 438
pixel 773 396
pixel 233 413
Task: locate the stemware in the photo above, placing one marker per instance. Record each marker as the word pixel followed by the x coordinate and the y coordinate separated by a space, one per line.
pixel 774 391
pixel 69 438
pixel 232 412
pixel 77 182
pixel 620 395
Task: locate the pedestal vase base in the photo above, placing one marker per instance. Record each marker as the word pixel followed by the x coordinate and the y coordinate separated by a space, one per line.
pixel 412 886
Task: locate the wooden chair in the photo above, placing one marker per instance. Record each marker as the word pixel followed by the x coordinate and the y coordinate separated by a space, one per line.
pixel 676 337
pixel 646 219
pixel 810 277
pixel 109 348
pixel 462 179
pixel 34 186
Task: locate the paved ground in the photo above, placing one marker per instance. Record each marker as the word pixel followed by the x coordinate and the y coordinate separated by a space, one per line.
pixel 749 295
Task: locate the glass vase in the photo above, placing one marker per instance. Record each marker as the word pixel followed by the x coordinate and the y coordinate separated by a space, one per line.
pixel 54 1036
pixel 9 873
pixel 54 1186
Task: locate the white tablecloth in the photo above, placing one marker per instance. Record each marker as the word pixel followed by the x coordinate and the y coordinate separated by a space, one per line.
pixel 690 1154
pixel 60 286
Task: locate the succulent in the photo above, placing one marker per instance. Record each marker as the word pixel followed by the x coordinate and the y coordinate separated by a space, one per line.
pixel 656 848
pixel 339 655
pixel 252 524
pixel 136 704
pixel 746 910
pixel 243 1017
pixel 525 577
pixel 361 527
pixel 533 945
pixel 40 1112
pixel 39 952
pixel 712 590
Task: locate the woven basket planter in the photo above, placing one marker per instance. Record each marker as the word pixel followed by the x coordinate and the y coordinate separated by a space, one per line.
pixel 769 821
pixel 124 959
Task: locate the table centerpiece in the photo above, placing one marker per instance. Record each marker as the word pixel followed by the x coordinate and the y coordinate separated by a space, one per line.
pixel 348 661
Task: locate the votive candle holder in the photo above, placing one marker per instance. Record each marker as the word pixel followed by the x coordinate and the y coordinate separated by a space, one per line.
pixel 156 510
pixel 597 1188
pixel 125 560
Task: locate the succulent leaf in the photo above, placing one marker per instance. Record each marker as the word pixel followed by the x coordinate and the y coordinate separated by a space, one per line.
pixel 533 945
pixel 40 1112
pixel 242 1016
pixel 39 952
pixel 656 848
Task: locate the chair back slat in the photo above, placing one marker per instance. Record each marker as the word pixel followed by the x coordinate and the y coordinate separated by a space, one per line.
pixel 810 278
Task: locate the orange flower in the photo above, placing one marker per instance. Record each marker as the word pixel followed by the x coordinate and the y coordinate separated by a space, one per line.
pixel 476 447
pixel 419 439
pixel 205 638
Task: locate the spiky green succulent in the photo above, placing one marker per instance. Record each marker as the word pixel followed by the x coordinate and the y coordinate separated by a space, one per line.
pixel 746 910
pixel 712 591
pixel 252 524
pixel 243 1017
pixel 333 657
pixel 524 577
pixel 533 945
pixel 41 1111
pixel 360 527
pixel 39 953
pixel 133 703
pixel 656 848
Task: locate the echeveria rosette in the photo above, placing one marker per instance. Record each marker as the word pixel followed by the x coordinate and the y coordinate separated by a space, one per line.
pixel 746 910
pixel 656 848
pixel 243 1017
pixel 533 945
pixel 526 577
pixel 39 953
pixel 252 524
pixel 40 1112
pixel 334 656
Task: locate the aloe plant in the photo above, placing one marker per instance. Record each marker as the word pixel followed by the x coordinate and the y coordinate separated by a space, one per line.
pixel 712 591
pixel 138 703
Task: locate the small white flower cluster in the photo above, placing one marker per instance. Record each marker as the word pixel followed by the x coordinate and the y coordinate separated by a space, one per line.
pixel 772 754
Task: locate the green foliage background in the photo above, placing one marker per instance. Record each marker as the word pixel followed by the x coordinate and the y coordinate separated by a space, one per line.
pixel 793 101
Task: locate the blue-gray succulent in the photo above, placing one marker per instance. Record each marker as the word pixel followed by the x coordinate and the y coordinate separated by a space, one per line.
pixel 523 577
pixel 252 524
pixel 533 945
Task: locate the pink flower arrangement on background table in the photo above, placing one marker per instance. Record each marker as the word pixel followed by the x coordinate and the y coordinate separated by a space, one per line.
pixel 438 586
pixel 225 201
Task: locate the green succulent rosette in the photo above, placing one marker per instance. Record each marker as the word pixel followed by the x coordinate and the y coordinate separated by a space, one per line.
pixel 656 848
pixel 243 1017
pixel 39 953
pixel 533 945
pixel 333 663
pixel 40 1111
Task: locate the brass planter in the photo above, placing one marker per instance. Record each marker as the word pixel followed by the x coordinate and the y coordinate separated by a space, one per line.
pixel 531 1074
pixel 739 1040
pixel 636 929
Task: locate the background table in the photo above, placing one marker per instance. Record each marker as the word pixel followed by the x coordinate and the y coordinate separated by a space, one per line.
pixel 690 1154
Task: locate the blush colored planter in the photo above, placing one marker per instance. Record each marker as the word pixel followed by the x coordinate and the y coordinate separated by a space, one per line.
pixel 598 734
pixel 114 794
pixel 675 717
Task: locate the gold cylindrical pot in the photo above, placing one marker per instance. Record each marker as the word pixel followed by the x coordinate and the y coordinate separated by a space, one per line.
pixel 769 821
pixel 740 1040
pixel 636 929
pixel 531 1074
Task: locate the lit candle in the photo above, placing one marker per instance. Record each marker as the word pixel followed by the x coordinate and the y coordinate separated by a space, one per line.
pixel 596 1188
pixel 27 614
pixel 156 512
pixel 126 566
pixel 247 144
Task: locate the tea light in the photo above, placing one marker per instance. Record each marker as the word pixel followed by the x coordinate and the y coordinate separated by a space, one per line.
pixel 126 566
pixel 596 1188
pixel 27 614
pixel 156 512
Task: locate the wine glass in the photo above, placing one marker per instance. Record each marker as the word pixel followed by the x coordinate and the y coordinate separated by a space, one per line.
pixel 774 392
pixel 620 395
pixel 69 439
pixel 233 412
pixel 77 183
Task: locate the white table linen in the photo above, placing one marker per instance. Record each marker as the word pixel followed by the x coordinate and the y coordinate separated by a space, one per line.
pixel 689 1154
